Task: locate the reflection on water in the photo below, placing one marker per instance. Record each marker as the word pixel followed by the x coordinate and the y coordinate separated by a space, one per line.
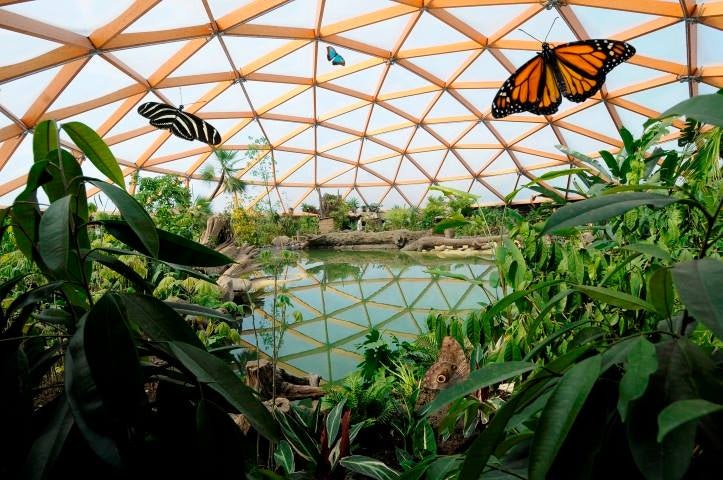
pixel 340 295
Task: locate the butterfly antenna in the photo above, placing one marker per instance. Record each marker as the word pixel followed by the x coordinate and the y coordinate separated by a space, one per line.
pixel 531 36
pixel 553 24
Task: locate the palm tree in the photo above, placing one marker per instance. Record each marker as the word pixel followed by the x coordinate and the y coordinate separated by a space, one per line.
pixel 227 162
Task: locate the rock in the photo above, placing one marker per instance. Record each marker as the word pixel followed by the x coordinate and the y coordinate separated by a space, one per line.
pixel 281 241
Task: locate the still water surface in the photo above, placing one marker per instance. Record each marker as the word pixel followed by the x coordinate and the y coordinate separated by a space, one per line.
pixel 340 295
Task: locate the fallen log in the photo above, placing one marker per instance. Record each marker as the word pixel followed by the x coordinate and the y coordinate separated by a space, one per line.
pixel 429 242
pixel 260 376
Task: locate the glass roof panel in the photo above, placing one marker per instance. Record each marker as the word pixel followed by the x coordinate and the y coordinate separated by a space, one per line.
pixel 417 83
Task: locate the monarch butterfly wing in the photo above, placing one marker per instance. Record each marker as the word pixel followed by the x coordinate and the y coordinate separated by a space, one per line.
pixel 582 66
pixel 531 88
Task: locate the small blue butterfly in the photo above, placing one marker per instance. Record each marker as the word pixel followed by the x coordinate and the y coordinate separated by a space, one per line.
pixel 334 57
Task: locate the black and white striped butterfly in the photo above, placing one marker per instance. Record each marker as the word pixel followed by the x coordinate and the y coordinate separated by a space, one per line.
pixel 181 124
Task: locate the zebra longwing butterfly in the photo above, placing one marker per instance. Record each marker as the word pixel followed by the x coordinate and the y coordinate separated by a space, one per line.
pixel 181 124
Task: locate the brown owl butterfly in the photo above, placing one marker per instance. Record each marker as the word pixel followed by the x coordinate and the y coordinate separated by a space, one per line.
pixel 451 367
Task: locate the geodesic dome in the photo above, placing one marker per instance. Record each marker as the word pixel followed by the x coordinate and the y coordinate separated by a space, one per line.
pixel 410 108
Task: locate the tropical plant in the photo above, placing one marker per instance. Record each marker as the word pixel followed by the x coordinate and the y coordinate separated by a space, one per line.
pixel 609 328
pixel 170 205
pixel 117 382
pixel 226 174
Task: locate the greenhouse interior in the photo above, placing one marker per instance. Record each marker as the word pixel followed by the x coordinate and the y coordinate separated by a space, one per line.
pixel 378 239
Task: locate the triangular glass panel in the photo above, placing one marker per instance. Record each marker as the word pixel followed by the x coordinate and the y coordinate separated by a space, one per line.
pixel 451 167
pixel 414 105
pixel 263 93
pixel 167 15
pixel 300 13
pixel 484 68
pixel 381 117
pixel 394 199
pixel 349 151
pixel 386 168
pixel 423 139
pixel 398 138
pixel 364 81
pixel 605 22
pixel 231 100
pixel 299 63
pixel 448 106
pixel 147 59
pixel 488 19
pixel 383 34
pixel 79 16
pixel 415 192
pixel 430 31
pixel 301 105
pixel 372 149
pixel 595 118
pixel 480 134
pixel 501 163
pixel 208 59
pixel 399 79
pixel 429 161
pixel 19 48
pixel 354 120
pixel 450 131
pixel 442 66
pixel 304 140
pixel 103 77
pixel 540 24
pixel 244 50
pixel 408 171
pixel 477 158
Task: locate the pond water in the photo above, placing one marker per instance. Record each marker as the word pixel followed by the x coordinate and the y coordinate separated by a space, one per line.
pixel 340 295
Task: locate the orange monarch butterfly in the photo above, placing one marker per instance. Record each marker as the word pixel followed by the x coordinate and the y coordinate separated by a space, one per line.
pixel 574 70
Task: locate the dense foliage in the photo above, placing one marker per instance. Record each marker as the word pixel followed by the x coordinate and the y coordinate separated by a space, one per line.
pixel 170 205
pixel 111 380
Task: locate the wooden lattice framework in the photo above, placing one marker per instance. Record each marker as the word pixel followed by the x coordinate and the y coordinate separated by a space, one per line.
pixel 77 50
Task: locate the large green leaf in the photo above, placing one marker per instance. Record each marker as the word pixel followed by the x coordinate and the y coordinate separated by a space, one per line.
pixel 648 249
pixel 423 440
pixel 173 248
pixel 614 297
pixel 26 221
pixel 157 320
pixel 483 377
pixel 596 209
pixel 333 421
pixel 369 467
pixel 96 150
pixel 213 372
pixel 47 447
pixel 54 236
pixel 640 364
pixel 134 214
pixel 299 436
pixel 199 311
pixel 559 414
pixel 704 108
pixel 103 380
pixel 284 456
pixel 45 139
pixel 684 411
pixel 699 284
pixel 502 304
pixel 660 292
